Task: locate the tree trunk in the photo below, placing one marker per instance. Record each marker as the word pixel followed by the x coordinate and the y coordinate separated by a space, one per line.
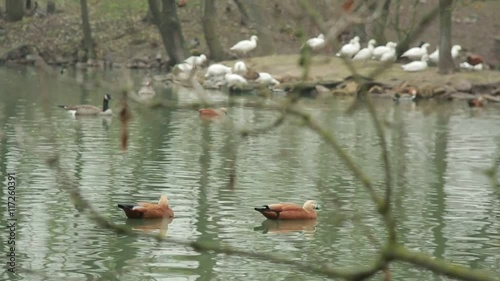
pixel 14 10
pixel 265 44
pixel 380 25
pixel 446 64
pixel 170 29
pixel 87 32
pixel 210 29
pixel 149 16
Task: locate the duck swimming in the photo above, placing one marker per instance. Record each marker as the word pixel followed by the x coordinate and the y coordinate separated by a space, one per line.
pixel 289 211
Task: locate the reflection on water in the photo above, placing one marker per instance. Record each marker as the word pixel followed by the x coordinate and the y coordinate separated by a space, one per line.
pixel 444 205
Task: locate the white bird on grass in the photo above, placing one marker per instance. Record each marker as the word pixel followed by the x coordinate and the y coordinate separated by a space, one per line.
pixel 416 53
pixel 196 60
pixel 468 66
pixel 390 54
pixel 455 51
pixel 217 69
pixel 245 46
pixel 350 49
pixel 315 43
pixel 234 80
pixel 380 50
pixel 266 79
pixel 416 65
pixel 240 68
pixel 367 52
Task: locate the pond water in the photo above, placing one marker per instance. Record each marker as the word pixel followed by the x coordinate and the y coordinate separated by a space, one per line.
pixel 444 204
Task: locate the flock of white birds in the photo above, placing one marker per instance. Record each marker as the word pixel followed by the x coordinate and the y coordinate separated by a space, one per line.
pixel 235 76
pixel 232 76
pixel 418 55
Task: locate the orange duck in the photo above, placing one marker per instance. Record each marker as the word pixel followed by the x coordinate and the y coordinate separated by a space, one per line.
pixel 209 112
pixel 474 59
pixel 289 211
pixel 476 102
pixel 143 210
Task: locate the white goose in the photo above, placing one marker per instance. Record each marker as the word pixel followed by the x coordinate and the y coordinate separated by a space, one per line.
pixel 367 52
pixel 266 79
pixel 380 50
pixel 455 51
pixel 416 53
pixel 185 67
pixel 234 80
pixel 245 46
pixel 315 43
pixel 468 66
pixel 240 68
pixel 196 60
pixel 390 54
pixel 416 65
pixel 350 49
pixel 217 69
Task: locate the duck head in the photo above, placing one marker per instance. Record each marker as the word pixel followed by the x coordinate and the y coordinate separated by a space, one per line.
pixel 254 38
pixel 310 205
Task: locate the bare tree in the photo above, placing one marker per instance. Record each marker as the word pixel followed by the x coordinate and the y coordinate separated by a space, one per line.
pixel 170 29
pixel 209 21
pixel 445 64
pixel 87 32
pixel 380 24
pixel 14 10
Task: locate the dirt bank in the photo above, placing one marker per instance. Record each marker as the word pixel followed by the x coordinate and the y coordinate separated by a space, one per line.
pixel 122 37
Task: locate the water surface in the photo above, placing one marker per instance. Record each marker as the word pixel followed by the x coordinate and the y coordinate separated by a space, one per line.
pixel 444 204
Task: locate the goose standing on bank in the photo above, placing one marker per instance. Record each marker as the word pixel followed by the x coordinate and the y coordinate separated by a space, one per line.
pixel 196 60
pixel 315 43
pixel 217 69
pixel 266 79
pixel 235 80
pixel 240 68
pixel 416 53
pixel 455 51
pixel 416 65
pixel 350 49
pixel 87 109
pixel 367 52
pixel 380 50
pixel 245 46
pixel 390 54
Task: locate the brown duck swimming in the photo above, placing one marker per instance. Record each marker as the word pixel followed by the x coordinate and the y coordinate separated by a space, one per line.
pixel 144 210
pixel 209 112
pixel 87 109
pixel 289 211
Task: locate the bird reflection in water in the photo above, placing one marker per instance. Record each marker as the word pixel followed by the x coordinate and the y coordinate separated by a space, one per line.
pixel 287 226
pixel 150 226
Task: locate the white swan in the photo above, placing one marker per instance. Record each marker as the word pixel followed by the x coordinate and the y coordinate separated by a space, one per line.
pixel 245 46
pixel 234 80
pixel 416 53
pixel 217 69
pixel 196 60
pixel 455 52
pixel 390 54
pixel 266 79
pixel 468 66
pixel 350 49
pixel 380 50
pixel 416 65
pixel 184 67
pixel 367 52
pixel 315 43
pixel 240 68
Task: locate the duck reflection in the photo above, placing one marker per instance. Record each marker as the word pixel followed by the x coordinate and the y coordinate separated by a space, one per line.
pixel 150 226
pixel 287 226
